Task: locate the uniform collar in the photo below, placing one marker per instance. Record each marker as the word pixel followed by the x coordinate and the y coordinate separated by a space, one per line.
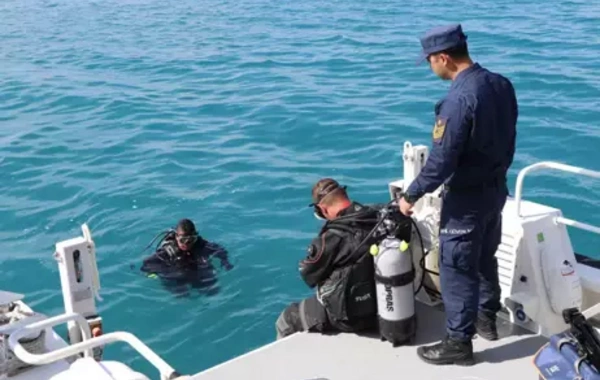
pixel 463 75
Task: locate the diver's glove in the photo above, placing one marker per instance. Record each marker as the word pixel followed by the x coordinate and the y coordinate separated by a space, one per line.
pixel 226 264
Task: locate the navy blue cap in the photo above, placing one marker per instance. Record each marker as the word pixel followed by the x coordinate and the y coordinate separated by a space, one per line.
pixel 441 38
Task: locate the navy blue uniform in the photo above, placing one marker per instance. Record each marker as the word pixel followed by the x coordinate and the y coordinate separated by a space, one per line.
pixel 473 146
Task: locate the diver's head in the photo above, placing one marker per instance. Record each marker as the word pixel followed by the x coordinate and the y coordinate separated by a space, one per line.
pixel 329 198
pixel 186 234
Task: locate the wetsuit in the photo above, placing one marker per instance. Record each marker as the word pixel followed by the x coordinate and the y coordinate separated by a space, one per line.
pixel 177 268
pixel 343 274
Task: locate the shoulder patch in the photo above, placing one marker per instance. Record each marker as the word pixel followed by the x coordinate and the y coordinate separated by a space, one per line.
pixel 439 128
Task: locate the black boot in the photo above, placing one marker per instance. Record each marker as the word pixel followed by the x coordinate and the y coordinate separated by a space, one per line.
pixel 486 327
pixel 448 351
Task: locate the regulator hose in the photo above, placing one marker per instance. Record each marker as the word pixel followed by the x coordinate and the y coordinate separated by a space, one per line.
pixel 423 253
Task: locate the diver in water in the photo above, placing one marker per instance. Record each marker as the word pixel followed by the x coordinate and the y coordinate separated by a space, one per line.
pixel 182 259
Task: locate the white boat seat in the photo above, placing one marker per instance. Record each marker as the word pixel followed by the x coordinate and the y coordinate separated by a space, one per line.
pixel 589 277
pixel 89 369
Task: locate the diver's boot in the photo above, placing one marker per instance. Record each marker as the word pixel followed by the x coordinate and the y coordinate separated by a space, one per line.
pixel 448 351
pixel 486 327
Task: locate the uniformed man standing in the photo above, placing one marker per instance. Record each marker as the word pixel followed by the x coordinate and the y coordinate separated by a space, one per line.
pixel 473 146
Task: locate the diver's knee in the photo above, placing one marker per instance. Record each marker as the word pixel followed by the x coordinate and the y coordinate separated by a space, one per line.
pixel 288 321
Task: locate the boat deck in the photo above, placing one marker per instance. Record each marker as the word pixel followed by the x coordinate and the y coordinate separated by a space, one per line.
pixel 312 356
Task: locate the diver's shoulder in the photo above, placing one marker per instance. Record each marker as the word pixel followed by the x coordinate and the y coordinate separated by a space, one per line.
pixel 211 246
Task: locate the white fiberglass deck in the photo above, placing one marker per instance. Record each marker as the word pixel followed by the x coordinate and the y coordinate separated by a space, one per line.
pixel 311 356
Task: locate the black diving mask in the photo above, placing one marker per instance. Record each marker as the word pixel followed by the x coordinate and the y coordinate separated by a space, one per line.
pixel 317 212
pixel 186 239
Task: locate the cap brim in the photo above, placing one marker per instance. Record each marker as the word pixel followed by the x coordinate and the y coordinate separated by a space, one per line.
pixel 422 58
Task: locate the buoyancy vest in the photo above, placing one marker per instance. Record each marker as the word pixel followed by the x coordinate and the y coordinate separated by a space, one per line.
pixel 349 292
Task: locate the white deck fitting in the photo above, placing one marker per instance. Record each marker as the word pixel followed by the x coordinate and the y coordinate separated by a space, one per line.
pixel 312 356
pixel 53 342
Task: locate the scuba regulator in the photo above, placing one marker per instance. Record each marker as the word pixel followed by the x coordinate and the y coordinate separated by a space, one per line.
pixel 392 223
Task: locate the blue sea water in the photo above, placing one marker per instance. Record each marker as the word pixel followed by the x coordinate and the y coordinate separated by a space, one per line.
pixel 128 115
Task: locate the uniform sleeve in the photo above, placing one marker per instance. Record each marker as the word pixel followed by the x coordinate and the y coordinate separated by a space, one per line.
pixel 318 264
pixel 219 252
pixel 515 110
pixel 450 134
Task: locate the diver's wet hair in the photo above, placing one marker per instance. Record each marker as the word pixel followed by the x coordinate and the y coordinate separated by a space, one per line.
pixel 187 227
pixel 327 188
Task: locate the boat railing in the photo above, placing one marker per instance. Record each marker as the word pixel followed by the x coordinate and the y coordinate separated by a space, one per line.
pixel 561 167
pixel 86 346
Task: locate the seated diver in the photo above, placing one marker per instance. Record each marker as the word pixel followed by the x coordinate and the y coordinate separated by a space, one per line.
pixel 183 258
pixel 339 267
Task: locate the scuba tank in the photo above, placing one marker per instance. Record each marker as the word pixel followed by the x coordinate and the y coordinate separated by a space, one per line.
pixel 391 271
pixel 394 276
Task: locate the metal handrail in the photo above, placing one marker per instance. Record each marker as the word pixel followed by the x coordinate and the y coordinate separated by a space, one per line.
pixel 50 322
pixel 560 167
pixel 166 371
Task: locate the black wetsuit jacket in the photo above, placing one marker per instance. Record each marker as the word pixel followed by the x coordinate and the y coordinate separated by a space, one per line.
pixel 169 262
pixel 343 274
